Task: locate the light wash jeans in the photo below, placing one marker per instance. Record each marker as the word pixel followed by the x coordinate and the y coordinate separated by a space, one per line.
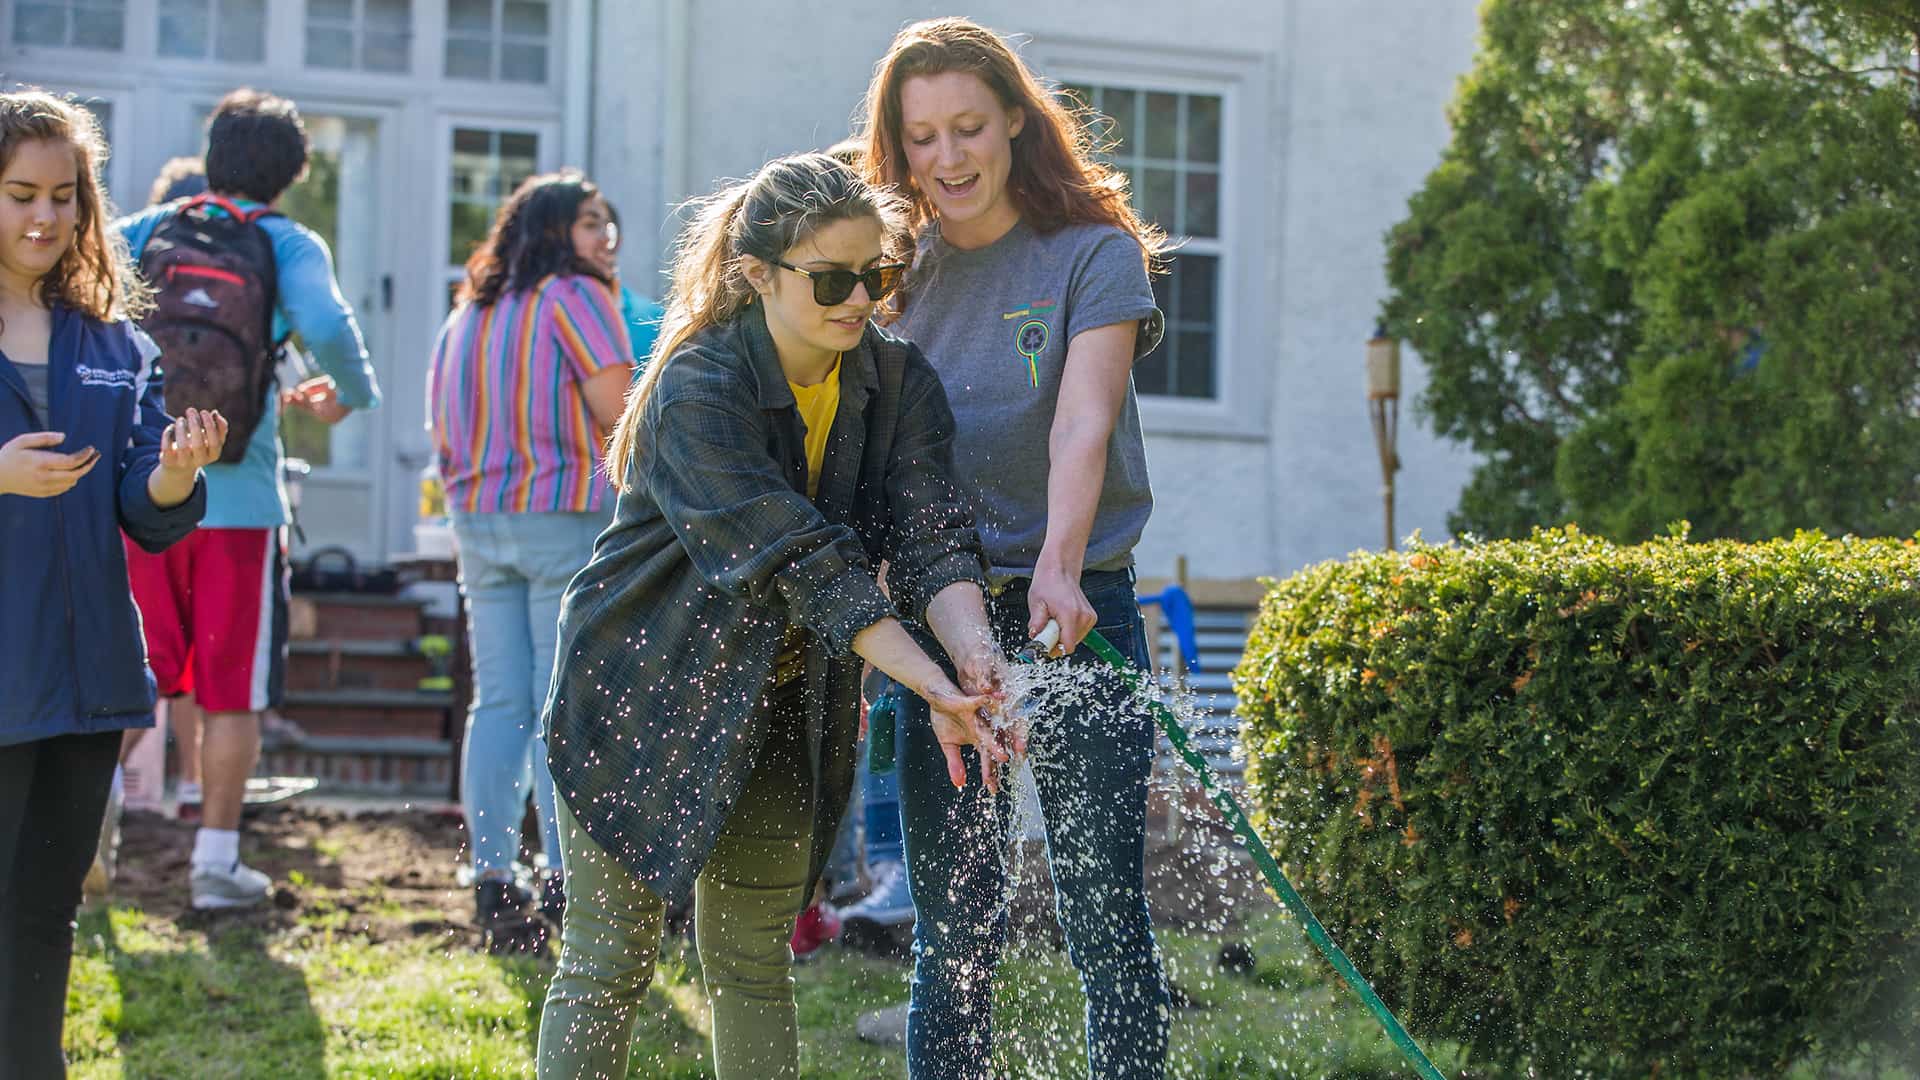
pixel 513 570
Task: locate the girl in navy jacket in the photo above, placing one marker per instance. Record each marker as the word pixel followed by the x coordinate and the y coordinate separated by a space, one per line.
pixel 86 451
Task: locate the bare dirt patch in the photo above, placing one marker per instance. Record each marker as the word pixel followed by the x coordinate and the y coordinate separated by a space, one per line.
pixel 381 875
pixel 390 875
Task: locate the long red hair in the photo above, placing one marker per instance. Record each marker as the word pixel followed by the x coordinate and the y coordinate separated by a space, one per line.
pixel 1056 179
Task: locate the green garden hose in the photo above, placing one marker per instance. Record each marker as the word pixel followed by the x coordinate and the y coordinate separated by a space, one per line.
pixel 1237 818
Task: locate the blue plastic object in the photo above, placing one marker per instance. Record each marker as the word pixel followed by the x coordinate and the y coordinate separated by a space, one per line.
pixel 1177 607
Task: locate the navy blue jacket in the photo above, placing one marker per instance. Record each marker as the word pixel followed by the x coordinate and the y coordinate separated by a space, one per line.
pixel 72 657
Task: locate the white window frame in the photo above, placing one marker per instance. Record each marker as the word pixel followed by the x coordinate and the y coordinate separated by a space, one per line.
pixel 358 26
pixel 1244 341
pixel 558 29
pixel 1215 246
pixel 153 10
pixel 130 14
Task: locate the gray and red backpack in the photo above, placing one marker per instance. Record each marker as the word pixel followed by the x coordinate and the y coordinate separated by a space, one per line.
pixel 214 286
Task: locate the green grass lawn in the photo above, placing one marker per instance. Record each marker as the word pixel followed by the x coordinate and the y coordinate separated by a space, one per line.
pixel 152 999
pixel 366 967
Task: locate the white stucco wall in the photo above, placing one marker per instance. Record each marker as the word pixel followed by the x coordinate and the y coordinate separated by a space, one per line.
pixel 1369 84
pixel 1345 105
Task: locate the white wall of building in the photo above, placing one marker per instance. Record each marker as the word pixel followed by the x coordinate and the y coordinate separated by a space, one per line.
pixel 1334 111
pixel 1369 87
pixel 1337 112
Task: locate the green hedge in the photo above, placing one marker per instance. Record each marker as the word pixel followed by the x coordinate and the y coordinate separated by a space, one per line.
pixel 1627 810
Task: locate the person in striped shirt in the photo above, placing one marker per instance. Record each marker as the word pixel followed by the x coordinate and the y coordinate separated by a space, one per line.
pixel 528 377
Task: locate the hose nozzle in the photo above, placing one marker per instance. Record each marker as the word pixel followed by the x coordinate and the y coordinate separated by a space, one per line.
pixel 1041 646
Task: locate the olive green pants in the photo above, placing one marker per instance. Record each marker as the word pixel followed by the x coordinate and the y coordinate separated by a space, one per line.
pixel 745 901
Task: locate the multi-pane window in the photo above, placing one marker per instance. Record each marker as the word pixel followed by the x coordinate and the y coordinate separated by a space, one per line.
pixel 81 24
pixel 498 40
pixel 232 30
pixel 1168 144
pixel 486 166
pixel 368 35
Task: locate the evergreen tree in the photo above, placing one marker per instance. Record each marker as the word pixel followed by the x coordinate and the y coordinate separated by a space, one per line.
pixel 1669 267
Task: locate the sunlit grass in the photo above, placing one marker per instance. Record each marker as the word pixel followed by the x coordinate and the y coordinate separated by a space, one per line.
pixel 151 999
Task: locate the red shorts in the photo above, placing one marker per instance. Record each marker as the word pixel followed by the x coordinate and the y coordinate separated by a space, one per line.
pixel 214 607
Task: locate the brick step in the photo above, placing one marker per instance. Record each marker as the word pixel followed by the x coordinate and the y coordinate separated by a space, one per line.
pixel 328 616
pixel 355 665
pixel 370 766
pixel 370 712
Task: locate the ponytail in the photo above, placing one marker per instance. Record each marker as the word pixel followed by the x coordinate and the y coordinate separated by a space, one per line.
pixel 708 289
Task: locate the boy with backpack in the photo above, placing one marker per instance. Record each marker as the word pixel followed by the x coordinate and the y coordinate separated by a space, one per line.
pixel 232 278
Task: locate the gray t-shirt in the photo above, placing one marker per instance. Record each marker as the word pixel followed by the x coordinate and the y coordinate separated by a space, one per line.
pixel 995 323
pixel 36 379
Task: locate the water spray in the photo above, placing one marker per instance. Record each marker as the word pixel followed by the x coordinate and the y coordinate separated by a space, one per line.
pixel 1043 645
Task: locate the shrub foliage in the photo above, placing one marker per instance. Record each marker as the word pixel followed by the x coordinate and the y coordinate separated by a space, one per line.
pixel 1641 810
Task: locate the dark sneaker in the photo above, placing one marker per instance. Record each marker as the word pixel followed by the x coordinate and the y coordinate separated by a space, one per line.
pixel 553 898
pixel 506 925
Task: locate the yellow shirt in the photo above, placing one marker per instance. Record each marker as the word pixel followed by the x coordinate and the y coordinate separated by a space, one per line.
pixel 818 404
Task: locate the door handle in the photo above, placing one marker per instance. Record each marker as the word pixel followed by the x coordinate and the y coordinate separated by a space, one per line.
pixel 386 292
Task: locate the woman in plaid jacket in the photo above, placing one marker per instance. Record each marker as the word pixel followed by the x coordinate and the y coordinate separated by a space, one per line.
pixel 702 723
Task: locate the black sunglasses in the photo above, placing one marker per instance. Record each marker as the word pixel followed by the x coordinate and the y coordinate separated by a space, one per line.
pixel 832 287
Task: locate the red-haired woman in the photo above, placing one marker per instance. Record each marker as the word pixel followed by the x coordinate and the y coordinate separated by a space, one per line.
pixel 1030 296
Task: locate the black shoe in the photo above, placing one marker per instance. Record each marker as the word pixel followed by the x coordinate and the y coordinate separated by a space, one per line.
pixel 553 898
pixel 500 907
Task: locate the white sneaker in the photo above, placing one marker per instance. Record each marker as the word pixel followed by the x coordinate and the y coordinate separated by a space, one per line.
pixel 890 903
pixel 236 886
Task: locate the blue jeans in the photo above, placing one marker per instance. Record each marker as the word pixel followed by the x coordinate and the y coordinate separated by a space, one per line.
pixel 1091 768
pixel 513 570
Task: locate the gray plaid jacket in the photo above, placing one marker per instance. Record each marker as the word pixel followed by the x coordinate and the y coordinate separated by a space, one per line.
pixel 668 637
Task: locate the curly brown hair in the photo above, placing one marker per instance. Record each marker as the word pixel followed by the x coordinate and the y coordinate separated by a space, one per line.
pixel 532 237
pixel 94 276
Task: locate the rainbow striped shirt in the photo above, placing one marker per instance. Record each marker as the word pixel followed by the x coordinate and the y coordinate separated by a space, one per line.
pixel 511 430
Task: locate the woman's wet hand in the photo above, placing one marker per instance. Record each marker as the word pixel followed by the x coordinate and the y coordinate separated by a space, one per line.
pixel 984 671
pixel 963 720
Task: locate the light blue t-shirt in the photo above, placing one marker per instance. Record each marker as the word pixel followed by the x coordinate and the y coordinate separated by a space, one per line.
pixel 249 494
pixel 643 325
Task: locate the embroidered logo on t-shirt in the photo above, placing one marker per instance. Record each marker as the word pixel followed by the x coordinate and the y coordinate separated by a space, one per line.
pixel 118 378
pixel 1030 339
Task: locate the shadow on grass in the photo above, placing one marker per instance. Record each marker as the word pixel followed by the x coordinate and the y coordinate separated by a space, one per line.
pixel 231 1010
